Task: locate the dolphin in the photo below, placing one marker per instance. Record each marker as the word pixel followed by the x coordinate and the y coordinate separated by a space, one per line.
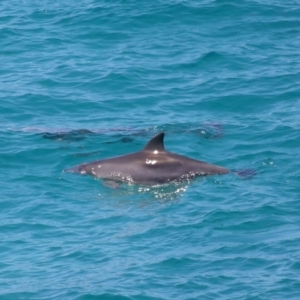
pixel 151 166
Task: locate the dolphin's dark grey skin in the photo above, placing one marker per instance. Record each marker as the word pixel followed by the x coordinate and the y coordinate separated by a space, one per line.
pixel 152 165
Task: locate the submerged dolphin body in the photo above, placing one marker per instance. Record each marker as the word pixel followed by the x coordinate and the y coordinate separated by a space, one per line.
pixel 152 165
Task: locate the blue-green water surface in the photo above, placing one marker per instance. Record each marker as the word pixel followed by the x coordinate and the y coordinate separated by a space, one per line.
pixel 85 80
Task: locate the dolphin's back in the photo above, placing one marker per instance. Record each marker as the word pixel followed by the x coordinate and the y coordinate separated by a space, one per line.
pixel 151 165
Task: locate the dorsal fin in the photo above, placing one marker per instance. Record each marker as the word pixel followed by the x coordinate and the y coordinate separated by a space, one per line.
pixel 156 143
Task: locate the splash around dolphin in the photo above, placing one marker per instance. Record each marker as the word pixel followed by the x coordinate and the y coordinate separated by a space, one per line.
pixel 151 166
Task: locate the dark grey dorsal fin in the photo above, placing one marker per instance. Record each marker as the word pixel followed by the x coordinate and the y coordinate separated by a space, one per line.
pixel 156 143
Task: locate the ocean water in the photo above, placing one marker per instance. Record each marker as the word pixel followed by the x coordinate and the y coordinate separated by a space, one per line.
pixel 85 80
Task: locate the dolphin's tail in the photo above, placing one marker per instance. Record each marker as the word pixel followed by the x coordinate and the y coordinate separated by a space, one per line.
pixel 245 173
pixel 77 169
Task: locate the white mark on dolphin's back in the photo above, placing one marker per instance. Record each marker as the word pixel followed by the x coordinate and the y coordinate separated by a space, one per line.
pixel 150 162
